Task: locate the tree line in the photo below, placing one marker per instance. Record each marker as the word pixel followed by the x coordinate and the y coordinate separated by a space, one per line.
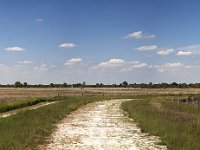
pixel 19 84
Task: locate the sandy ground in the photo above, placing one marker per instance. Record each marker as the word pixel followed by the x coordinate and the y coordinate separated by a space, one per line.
pixel 100 126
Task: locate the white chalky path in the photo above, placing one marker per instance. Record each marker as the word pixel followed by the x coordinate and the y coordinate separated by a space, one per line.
pixel 101 126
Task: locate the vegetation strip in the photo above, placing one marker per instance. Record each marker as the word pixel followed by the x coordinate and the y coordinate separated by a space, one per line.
pixel 28 128
pixel 11 105
pixel 178 128
pixel 13 112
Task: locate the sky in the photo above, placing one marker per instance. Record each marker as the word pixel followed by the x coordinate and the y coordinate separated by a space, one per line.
pixel 99 41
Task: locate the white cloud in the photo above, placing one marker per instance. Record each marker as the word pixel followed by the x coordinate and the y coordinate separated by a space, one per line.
pixel 139 35
pixel 188 50
pixel 73 61
pixel 15 49
pixel 41 68
pixel 169 67
pixel 190 47
pixel 130 66
pixel 165 52
pixel 67 45
pixel 141 65
pixel 147 48
pixel 173 65
pixel 112 63
pixel 25 62
pixel 184 53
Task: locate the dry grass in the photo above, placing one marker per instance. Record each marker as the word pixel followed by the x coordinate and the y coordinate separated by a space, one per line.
pixel 24 93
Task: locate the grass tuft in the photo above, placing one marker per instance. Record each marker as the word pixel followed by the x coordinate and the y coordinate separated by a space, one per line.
pixel 179 130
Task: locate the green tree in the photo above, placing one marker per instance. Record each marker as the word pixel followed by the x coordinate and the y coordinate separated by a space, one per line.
pixel 25 84
pixel 125 84
pixel 51 85
pixel 83 84
pixel 18 84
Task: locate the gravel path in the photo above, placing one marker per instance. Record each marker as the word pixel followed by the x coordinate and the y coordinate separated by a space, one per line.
pixel 100 126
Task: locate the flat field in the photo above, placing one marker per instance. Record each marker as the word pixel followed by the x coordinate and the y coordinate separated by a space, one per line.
pixel 24 93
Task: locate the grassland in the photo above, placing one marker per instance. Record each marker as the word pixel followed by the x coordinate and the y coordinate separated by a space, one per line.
pixel 178 125
pixel 24 93
pixel 28 128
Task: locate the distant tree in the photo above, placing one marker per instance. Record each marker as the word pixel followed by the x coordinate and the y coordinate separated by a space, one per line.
pixel 18 84
pixel 174 84
pixel 114 85
pixel 150 85
pixel 51 85
pixel 97 85
pixel 83 84
pixel 25 84
pixel 64 84
pixel 125 84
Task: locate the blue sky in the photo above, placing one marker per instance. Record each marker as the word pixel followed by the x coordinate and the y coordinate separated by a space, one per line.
pixel 108 41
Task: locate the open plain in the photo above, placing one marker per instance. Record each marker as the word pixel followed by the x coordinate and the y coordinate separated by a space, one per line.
pixel 23 93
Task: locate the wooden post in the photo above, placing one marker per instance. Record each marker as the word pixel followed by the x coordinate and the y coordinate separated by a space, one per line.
pixel 198 104
pixel 193 100
pixel 82 93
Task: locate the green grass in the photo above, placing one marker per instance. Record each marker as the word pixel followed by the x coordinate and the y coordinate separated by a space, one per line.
pixel 179 130
pixel 11 105
pixel 182 107
pixel 28 128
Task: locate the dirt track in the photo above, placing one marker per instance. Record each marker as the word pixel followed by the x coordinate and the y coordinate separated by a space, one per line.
pixel 100 125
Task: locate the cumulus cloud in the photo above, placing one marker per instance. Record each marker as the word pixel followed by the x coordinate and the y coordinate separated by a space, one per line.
pixel 41 68
pixel 141 65
pixel 112 63
pixel 15 49
pixel 73 61
pixel 169 67
pixel 188 50
pixel 184 53
pixel 190 47
pixel 147 48
pixel 67 45
pixel 25 62
pixel 165 52
pixel 139 35
pixel 130 66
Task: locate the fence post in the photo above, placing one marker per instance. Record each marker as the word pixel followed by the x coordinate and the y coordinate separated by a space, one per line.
pixel 187 101
pixel 198 104
pixel 193 100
